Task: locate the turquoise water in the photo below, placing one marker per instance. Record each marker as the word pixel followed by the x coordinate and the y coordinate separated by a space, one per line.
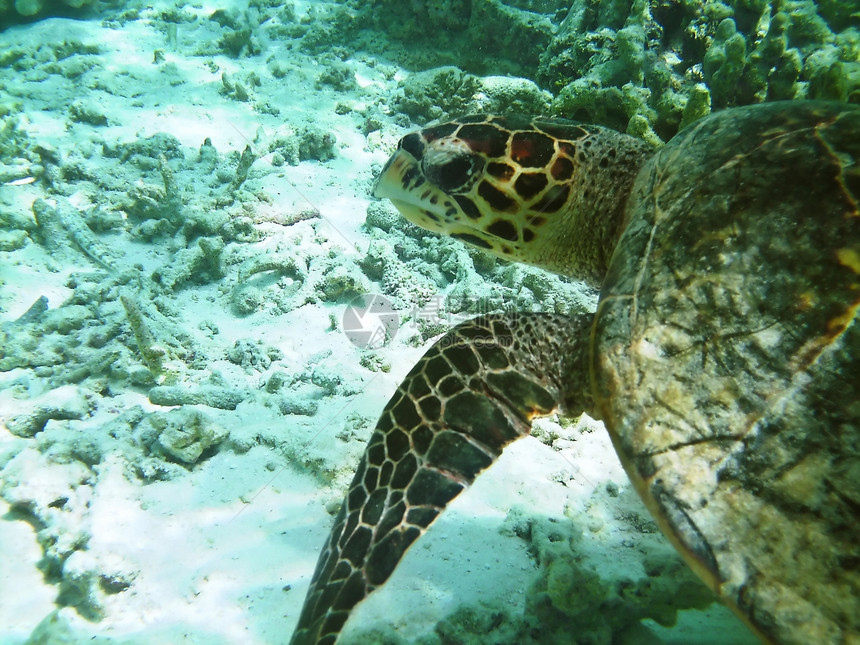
pixel 189 364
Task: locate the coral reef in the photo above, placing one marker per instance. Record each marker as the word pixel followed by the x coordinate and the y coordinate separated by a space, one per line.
pixel 445 92
pixel 647 63
pixel 629 64
pixel 647 60
pixel 475 36
pixel 572 599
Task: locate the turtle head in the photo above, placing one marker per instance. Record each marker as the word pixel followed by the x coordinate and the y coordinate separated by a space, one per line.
pixel 530 191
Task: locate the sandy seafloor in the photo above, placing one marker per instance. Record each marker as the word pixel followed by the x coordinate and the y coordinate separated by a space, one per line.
pixel 180 492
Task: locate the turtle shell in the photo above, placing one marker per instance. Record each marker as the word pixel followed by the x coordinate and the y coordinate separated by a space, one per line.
pixel 726 360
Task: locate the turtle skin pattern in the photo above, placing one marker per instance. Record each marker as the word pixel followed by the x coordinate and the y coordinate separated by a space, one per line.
pixel 472 393
pixel 503 184
pixel 724 359
pixel 727 360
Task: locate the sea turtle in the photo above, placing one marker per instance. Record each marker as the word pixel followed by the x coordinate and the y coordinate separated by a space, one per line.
pixel 724 355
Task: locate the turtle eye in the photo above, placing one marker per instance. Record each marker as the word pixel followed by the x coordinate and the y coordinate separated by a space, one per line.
pixel 456 173
pixel 412 144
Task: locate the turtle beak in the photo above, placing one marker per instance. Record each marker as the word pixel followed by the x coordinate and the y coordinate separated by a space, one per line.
pixel 397 177
pixel 398 182
pixel 384 173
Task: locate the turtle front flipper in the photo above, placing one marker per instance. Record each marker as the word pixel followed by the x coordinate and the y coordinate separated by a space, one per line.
pixel 475 391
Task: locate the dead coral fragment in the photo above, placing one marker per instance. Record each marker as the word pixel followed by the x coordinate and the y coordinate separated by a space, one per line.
pixel 280 262
pixel 151 353
pixel 34 422
pixel 183 434
pixel 62 225
pixel 198 264
pixel 212 396
pixel 245 161
pixel 248 296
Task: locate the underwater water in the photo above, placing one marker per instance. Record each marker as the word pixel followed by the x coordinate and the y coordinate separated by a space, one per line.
pixel 203 310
